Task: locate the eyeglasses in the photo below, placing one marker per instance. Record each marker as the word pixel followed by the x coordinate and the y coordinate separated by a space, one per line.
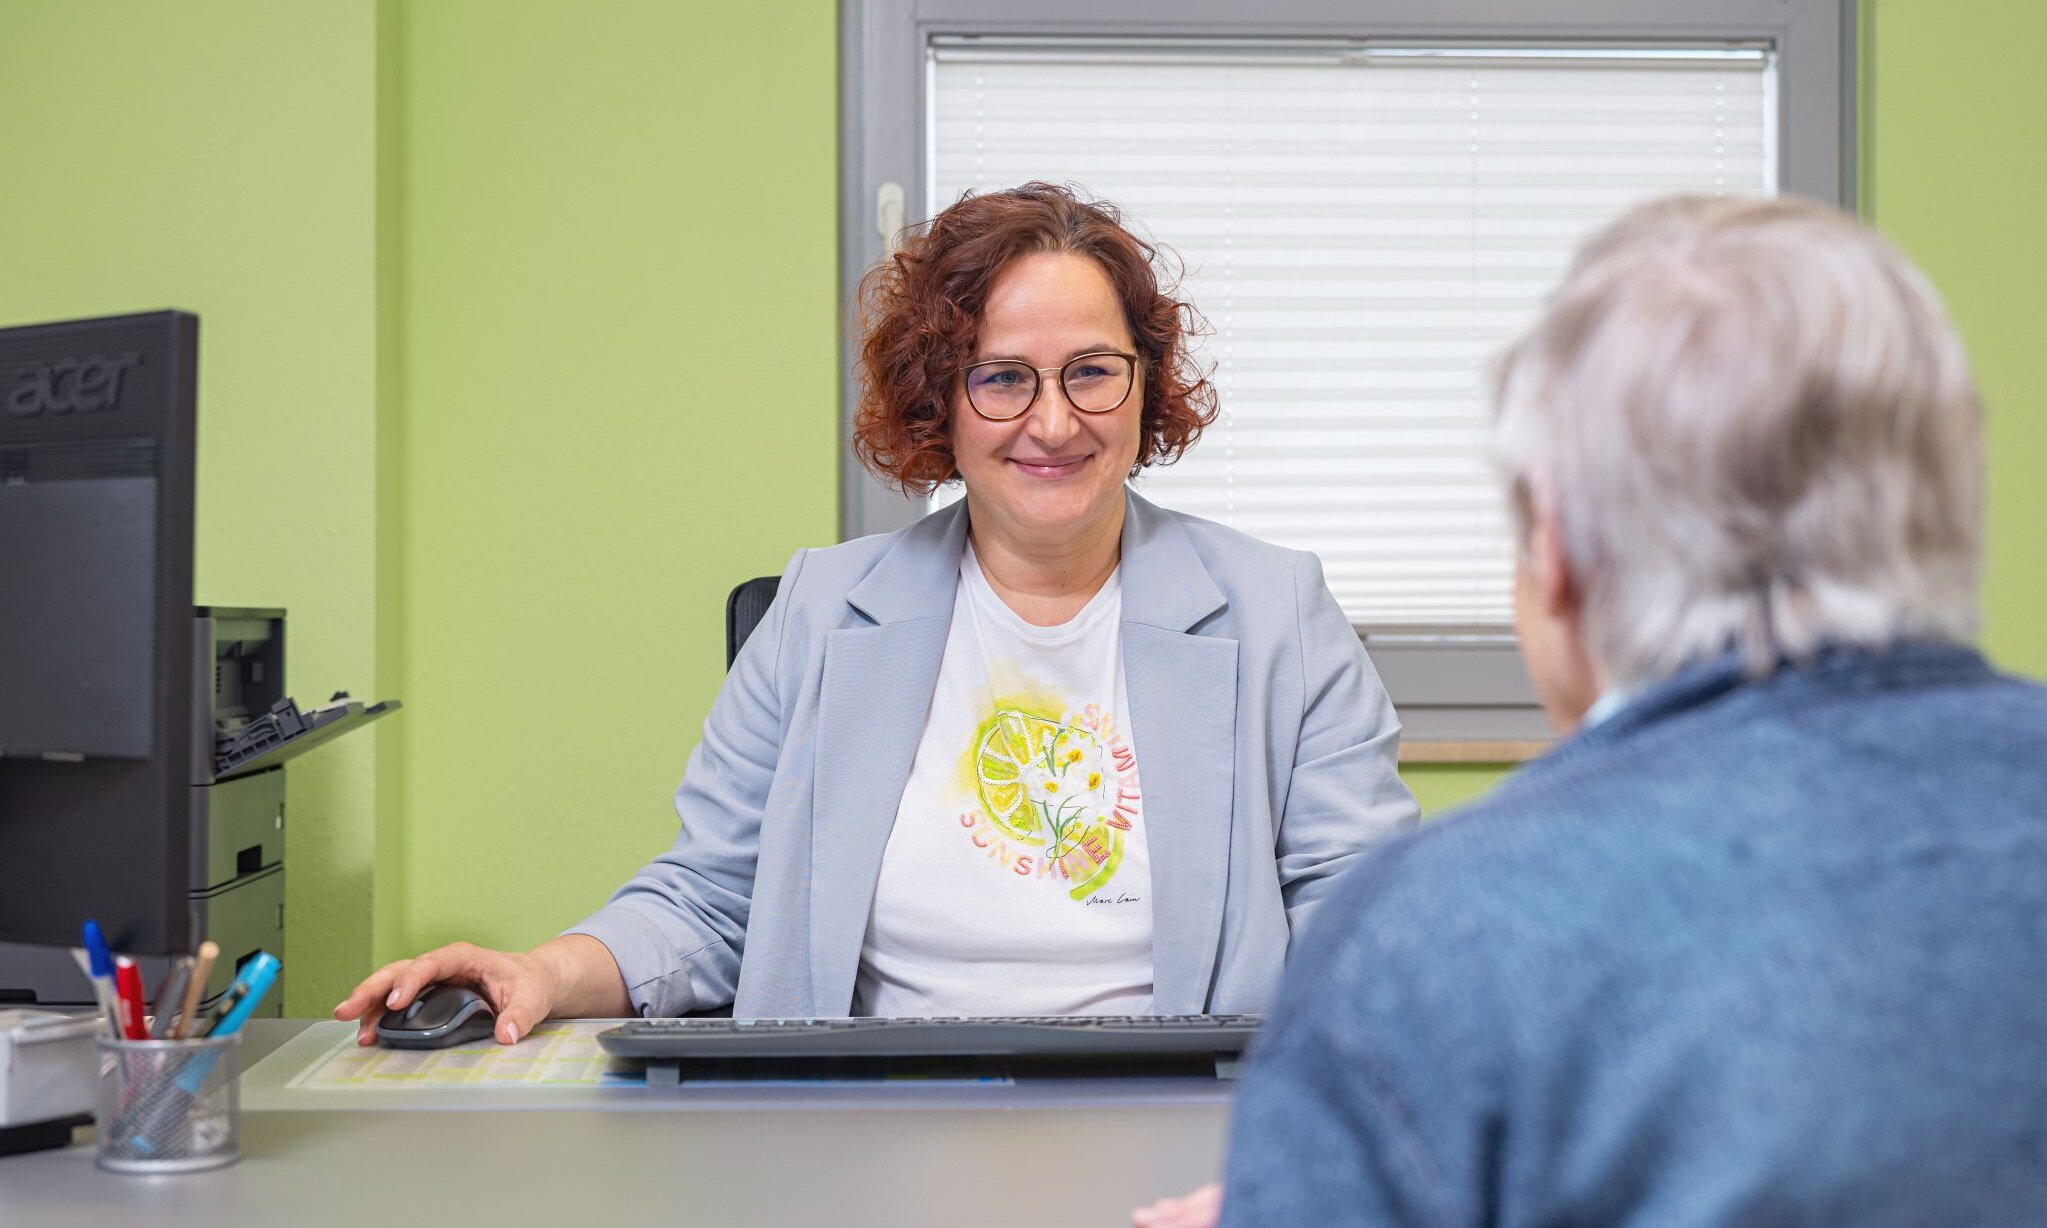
pixel 1003 389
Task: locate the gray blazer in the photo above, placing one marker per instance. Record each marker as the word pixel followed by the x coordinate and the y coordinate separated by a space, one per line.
pixel 1266 741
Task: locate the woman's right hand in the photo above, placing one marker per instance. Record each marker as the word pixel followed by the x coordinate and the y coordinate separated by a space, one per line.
pixel 522 987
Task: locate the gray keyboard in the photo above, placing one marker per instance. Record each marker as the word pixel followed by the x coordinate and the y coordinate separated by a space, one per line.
pixel 1099 1037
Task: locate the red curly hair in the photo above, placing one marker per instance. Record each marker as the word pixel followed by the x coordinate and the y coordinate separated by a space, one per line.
pixel 920 312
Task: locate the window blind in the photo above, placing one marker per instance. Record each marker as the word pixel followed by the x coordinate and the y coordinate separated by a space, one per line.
pixel 1363 228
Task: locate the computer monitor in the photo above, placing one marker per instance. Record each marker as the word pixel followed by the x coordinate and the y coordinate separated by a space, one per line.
pixel 98 733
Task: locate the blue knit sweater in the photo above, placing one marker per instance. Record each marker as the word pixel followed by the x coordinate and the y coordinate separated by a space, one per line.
pixel 1746 953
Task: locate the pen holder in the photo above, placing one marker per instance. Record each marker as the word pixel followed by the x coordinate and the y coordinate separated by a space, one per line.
pixel 169 1106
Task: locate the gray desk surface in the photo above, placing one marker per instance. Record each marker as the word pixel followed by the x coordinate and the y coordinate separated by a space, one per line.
pixel 1081 1152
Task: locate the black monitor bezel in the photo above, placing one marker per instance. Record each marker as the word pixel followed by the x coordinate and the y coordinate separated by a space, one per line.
pixel 126 862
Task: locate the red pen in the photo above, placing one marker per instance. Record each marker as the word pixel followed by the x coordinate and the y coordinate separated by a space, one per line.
pixel 128 991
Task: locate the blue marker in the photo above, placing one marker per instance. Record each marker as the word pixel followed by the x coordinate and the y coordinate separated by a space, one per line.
pixel 242 997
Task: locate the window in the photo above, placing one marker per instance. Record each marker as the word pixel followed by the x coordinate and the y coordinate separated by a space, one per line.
pixel 1366 217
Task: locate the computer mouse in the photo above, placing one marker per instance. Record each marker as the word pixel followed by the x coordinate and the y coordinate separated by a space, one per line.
pixel 442 1015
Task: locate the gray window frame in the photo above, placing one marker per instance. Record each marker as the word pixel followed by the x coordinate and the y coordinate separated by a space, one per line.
pixel 1466 694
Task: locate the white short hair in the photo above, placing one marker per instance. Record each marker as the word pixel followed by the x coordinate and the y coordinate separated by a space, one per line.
pixel 1756 430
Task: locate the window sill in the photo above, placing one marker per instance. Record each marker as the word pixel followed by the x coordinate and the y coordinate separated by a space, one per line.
pixel 1473 751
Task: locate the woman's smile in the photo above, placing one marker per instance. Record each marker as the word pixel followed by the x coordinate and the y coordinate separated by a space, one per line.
pixel 1050 468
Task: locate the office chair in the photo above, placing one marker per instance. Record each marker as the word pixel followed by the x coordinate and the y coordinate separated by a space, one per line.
pixel 743 611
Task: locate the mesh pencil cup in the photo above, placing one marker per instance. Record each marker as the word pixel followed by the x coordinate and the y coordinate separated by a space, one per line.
pixel 169 1106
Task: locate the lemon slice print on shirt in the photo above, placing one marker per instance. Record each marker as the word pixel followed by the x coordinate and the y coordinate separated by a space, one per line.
pixel 1009 742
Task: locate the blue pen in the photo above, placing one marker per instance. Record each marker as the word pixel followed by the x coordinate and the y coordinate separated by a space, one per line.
pixel 100 964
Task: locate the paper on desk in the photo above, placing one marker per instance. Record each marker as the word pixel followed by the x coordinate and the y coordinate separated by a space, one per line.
pixel 559 1053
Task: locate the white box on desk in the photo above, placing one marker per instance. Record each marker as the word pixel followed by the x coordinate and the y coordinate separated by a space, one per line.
pixel 47 1067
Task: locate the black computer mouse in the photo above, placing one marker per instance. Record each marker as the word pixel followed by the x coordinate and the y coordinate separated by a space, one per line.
pixel 440 1016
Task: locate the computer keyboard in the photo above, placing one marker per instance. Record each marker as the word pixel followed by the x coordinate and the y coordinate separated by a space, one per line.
pixel 1093 1037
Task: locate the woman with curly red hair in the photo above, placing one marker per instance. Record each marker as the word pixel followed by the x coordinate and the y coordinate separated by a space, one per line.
pixel 919 791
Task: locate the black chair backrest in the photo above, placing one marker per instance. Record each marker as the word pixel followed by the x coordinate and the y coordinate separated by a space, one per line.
pixel 743 611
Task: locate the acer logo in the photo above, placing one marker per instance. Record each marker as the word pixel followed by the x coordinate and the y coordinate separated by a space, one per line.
pixel 70 385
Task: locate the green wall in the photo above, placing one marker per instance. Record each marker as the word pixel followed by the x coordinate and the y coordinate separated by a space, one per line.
pixel 620 400
pixel 1954 122
pixel 518 350
pixel 520 328
pixel 220 157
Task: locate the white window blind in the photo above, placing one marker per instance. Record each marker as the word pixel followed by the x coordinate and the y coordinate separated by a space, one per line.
pixel 1363 228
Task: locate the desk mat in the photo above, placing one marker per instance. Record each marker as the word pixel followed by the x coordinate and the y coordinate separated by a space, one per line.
pixel 559 1053
pixel 297 1078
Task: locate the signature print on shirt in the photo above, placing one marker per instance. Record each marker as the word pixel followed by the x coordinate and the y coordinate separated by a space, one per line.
pixel 1058 799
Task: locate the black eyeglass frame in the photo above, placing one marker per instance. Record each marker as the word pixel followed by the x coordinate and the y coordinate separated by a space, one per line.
pixel 1038 388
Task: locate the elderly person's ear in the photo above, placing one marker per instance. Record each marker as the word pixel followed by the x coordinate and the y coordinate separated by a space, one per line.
pixel 1555 588
pixel 1549 620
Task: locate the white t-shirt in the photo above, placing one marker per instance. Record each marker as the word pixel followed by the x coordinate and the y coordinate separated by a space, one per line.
pixel 1016 879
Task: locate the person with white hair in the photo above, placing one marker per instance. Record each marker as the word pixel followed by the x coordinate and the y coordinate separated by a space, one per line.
pixel 1764 939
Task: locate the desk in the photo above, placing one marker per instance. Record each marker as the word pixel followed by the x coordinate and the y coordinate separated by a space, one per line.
pixel 1078 1153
